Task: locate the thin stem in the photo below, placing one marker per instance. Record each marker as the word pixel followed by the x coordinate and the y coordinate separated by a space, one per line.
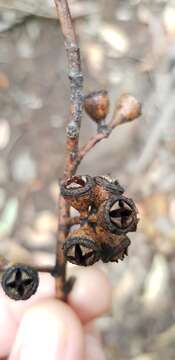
pixel 92 142
pixel 73 130
pixel 44 269
pixel 100 135
pixel 127 109
pixel 47 269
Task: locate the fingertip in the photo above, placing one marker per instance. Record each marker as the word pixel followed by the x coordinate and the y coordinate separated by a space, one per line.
pixel 91 295
pixel 11 311
pixel 93 344
pixel 8 327
pixel 49 330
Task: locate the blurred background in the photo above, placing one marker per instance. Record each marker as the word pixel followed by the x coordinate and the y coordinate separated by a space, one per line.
pixel 126 46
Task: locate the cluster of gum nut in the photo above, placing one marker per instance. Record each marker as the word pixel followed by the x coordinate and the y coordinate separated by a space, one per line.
pixel 105 217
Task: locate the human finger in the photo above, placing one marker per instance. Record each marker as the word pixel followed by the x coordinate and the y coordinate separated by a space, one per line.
pixel 91 295
pixel 49 330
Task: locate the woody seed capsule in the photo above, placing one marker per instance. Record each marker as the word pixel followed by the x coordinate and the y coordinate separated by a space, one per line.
pixel 20 282
pixel 117 251
pixel 104 188
pixel 81 247
pixel 77 190
pixel 118 215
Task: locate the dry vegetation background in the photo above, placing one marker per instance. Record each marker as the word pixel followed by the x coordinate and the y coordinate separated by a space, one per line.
pixel 126 46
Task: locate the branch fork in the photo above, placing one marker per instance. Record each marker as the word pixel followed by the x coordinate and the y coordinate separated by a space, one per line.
pixel 126 110
pixel 96 104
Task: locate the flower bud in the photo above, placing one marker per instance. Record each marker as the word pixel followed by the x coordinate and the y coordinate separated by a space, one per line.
pixel 104 188
pixel 118 215
pixel 96 105
pixel 127 109
pixel 77 191
pixel 81 247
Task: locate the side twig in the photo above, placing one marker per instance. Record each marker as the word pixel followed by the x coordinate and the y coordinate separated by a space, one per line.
pixel 126 110
pixel 73 129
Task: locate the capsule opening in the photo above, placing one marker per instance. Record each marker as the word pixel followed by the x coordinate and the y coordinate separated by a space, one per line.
pixel 76 182
pixel 121 214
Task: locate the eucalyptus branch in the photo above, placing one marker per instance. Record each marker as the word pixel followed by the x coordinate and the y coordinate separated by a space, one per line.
pixel 126 110
pixel 73 129
pixel 76 83
pixel 105 214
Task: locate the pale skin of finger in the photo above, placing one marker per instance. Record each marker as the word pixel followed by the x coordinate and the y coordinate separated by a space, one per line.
pixel 49 330
pixel 79 300
pixel 11 312
pixel 8 326
pixel 91 295
pixel 93 343
pixel 64 337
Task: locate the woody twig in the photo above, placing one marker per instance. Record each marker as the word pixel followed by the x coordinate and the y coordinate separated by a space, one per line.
pixel 105 214
pixel 73 129
pixel 127 109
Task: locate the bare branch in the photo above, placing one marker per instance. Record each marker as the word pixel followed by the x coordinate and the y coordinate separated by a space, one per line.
pixel 73 129
pixel 127 110
pixel 76 83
